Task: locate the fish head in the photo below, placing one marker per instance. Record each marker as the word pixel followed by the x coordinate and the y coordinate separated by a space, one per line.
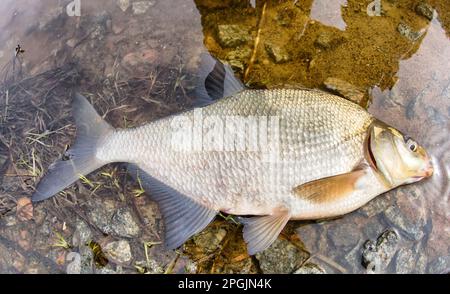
pixel 397 157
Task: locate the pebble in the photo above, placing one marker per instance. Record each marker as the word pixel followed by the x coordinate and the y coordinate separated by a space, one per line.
pixel 277 53
pixel 210 238
pixel 282 257
pixel 232 35
pixel 119 251
pixel 408 33
pixel 345 89
pixel 123 223
pixel 425 10
pixel 310 268
pixel 377 255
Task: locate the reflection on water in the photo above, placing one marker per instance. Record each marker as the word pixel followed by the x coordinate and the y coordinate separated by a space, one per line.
pixel 136 59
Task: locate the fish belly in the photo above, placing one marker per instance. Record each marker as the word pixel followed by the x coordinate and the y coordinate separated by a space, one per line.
pixel 244 154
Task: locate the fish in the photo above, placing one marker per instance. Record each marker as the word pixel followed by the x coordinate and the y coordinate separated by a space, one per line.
pixel 265 155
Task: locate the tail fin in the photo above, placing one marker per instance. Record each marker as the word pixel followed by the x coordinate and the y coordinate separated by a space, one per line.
pixel 91 129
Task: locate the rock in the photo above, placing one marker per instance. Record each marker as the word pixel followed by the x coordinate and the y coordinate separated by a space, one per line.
pixel 87 260
pixel 141 7
pixel 425 10
pixel 282 257
pixel 238 57
pixel 82 234
pixel 123 224
pixel 344 236
pixel 123 4
pixel 408 33
pixel 440 265
pixel 377 205
pixel 310 268
pixel 118 251
pixel 232 35
pixel 347 90
pixel 411 229
pixel 373 228
pixel 377 255
pixel 405 261
pixel 310 236
pixel 2 53
pixel 328 40
pixel 73 263
pixel 72 42
pixel 101 212
pixel 24 209
pixel 210 239
pixel 278 54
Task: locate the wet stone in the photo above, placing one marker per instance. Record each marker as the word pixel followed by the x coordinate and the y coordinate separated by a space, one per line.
pixel 405 261
pixel 345 89
pixel 310 268
pixel 425 10
pixel 412 229
pixel 119 251
pixel 376 206
pixel 232 35
pixel 123 224
pixel 377 255
pixel 277 53
pixel 210 239
pixel 141 7
pixel 328 40
pixel 408 33
pixel 344 236
pixel 282 257
pixel 440 265
pixel 101 212
pixel 238 57
pixel 82 234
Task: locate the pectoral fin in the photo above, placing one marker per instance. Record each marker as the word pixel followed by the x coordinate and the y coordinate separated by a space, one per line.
pixel 331 188
pixel 261 231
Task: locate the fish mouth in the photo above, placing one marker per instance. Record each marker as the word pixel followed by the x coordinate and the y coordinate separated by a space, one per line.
pixel 371 157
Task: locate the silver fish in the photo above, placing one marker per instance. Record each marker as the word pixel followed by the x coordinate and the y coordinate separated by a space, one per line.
pixel 275 155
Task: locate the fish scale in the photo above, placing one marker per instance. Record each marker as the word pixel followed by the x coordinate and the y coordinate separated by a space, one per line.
pixel 320 135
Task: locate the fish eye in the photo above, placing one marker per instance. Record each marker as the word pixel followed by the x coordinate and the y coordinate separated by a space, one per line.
pixel 411 145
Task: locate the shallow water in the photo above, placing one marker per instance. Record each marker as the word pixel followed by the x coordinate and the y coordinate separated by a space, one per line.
pixel 137 61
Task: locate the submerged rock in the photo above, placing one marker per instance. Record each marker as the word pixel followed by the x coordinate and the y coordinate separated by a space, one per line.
pixel 310 268
pixel 282 257
pixel 405 261
pixel 232 35
pixel 345 89
pixel 412 229
pixel 238 57
pixel 377 255
pixel 82 234
pixel 425 10
pixel 210 238
pixel 344 236
pixel 119 251
pixel 328 40
pixel 277 53
pixel 408 33
pixel 124 224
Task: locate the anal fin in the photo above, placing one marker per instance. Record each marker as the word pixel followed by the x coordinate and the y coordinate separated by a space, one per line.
pixel 261 231
pixel 183 217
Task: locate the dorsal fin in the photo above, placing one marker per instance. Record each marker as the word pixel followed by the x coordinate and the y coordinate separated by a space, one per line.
pixel 216 80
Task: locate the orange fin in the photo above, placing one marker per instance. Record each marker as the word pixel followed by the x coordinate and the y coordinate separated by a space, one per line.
pixel 331 188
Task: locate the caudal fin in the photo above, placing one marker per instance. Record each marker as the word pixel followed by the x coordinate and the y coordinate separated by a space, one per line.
pixel 91 129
